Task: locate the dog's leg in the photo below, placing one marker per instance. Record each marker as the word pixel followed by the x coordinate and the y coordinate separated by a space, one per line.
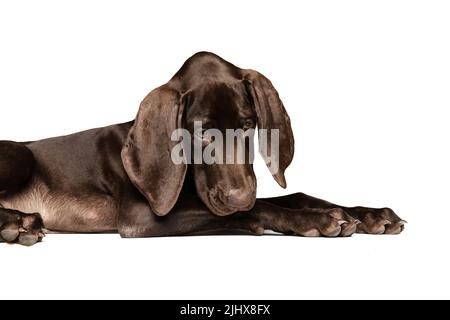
pixel 373 221
pixel 191 217
pixel 16 165
pixel 21 228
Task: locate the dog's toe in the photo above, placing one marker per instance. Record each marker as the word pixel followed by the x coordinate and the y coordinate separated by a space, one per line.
pixel 28 240
pixel 10 232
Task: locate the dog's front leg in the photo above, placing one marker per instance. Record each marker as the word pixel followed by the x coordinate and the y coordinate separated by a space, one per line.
pixel 373 220
pixel 308 222
pixel 191 217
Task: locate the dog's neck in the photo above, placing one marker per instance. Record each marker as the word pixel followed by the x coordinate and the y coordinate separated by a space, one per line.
pixel 189 182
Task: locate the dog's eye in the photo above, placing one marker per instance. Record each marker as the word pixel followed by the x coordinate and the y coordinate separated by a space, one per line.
pixel 248 124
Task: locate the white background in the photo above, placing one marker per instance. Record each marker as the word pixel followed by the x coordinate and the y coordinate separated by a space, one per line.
pixel 366 84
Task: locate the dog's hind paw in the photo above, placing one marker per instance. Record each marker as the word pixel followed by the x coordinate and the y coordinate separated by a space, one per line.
pixel 21 228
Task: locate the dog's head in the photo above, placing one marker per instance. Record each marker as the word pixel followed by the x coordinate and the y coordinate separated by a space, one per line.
pixel 210 91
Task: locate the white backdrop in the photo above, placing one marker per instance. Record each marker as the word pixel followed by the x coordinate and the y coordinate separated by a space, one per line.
pixel 366 84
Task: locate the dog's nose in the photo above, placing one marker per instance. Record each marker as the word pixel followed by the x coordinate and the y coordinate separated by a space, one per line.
pixel 240 198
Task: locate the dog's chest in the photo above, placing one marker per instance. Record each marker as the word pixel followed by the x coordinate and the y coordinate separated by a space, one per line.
pixel 76 211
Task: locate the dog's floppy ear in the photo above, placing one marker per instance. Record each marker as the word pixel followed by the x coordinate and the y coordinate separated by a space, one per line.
pixel 146 154
pixel 271 115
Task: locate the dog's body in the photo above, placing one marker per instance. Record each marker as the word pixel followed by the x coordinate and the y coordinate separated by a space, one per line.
pixel 120 178
pixel 76 180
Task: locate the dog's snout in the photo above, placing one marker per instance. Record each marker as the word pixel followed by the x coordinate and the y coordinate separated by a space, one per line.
pixel 240 198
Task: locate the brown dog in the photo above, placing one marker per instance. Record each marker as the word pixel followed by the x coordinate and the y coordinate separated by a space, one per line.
pixel 122 179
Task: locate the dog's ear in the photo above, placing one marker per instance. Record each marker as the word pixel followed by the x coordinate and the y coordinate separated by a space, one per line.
pixel 271 115
pixel 146 154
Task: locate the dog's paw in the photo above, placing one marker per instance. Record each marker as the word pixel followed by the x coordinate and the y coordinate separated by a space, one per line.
pixel 379 221
pixel 24 229
pixel 328 223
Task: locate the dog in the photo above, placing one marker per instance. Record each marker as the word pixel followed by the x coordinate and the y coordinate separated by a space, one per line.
pixel 122 178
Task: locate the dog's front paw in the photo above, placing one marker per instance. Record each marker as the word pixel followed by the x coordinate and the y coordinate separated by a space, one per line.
pixel 325 222
pixel 24 229
pixel 378 221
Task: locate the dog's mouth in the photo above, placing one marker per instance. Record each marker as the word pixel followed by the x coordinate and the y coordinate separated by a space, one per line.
pixel 218 206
